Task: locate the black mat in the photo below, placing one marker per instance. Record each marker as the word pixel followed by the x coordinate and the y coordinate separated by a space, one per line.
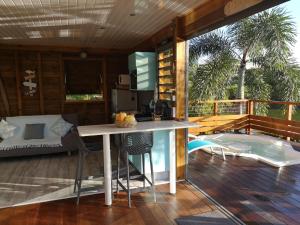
pixel 209 218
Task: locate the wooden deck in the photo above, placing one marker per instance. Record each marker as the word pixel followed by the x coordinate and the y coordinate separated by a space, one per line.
pixel 91 211
pixel 255 192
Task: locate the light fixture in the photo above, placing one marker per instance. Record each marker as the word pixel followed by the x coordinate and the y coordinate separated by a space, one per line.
pixel 83 55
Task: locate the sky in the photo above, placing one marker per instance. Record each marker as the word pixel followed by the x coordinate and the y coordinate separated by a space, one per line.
pixel 293 8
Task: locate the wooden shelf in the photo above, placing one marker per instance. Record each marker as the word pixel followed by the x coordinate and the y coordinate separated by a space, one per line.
pixel 166 93
pixel 166 59
pixel 165 67
pixel 167 76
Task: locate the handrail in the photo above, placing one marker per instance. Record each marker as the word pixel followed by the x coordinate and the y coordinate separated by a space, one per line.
pixel 276 102
pixel 247 100
pixel 257 122
pixel 221 101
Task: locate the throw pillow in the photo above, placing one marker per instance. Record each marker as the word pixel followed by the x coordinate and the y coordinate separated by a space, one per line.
pixel 6 130
pixel 61 127
pixel 34 131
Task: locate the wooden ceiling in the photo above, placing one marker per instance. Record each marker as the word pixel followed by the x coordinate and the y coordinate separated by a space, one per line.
pixel 116 24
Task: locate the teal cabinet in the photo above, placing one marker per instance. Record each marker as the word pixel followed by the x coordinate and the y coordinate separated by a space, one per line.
pixel 160 155
pixel 143 70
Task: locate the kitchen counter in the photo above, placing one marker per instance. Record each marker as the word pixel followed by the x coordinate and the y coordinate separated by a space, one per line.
pixel 106 130
pixel 95 130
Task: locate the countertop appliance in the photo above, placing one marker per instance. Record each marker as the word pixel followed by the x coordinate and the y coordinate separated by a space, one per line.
pixel 124 79
pixel 123 101
pixel 161 108
pixel 164 109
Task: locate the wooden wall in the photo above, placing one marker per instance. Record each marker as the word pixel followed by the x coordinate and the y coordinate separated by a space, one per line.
pixel 50 95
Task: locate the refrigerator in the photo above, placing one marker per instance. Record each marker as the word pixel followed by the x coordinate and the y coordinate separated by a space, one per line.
pixel 124 101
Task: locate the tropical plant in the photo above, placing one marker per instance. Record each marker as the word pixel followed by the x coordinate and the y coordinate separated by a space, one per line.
pixel 254 52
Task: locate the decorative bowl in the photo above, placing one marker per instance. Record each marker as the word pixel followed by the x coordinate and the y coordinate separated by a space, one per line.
pixel 125 124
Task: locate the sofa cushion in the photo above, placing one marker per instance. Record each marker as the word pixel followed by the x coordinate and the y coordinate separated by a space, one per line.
pixel 34 131
pixel 61 127
pixel 6 130
pixel 21 121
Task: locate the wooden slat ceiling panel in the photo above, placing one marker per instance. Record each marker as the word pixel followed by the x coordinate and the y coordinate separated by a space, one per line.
pixel 90 23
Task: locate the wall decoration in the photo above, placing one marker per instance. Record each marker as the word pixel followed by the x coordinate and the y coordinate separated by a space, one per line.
pixel 29 83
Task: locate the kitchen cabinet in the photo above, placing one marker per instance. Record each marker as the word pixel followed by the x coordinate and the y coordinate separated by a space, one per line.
pixel 143 70
pixel 160 155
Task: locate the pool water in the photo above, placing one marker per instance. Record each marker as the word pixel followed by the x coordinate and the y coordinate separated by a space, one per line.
pixel 271 150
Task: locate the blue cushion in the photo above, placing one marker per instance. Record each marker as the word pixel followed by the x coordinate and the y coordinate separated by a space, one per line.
pixel 200 144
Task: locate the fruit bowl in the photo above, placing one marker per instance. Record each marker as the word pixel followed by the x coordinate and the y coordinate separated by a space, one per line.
pixel 125 121
pixel 125 124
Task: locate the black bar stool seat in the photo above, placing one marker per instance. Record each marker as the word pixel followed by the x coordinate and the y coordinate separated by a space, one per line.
pixel 135 144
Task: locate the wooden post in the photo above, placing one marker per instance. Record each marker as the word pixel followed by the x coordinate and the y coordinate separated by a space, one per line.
pixel 249 112
pixel 181 90
pixel 62 83
pixel 250 107
pixel 215 108
pixel 18 84
pixel 289 115
pixel 41 90
pixel 105 89
pixel 4 97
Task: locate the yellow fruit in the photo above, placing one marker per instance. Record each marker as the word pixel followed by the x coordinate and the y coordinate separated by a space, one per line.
pixel 130 119
pixel 120 117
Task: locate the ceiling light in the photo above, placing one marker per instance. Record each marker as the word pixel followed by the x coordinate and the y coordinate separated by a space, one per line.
pixel 83 55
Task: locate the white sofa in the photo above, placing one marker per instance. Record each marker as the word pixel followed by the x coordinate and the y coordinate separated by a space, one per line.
pixel 51 143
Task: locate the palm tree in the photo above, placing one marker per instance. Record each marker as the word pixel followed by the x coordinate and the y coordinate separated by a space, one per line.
pixel 254 52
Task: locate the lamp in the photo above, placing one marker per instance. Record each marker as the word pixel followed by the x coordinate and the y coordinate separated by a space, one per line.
pixel 83 55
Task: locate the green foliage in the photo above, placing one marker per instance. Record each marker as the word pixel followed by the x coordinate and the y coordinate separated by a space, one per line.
pixel 286 83
pixel 85 97
pixel 265 41
pixel 211 79
pixel 258 88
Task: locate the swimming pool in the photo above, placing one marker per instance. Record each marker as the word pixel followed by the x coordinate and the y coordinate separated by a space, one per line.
pixel 271 150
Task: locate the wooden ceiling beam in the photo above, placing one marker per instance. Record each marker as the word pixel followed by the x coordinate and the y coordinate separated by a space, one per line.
pixel 208 16
pixel 60 49
pixel 217 13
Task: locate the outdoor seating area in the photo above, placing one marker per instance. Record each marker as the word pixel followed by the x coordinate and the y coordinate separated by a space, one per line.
pixel 149 112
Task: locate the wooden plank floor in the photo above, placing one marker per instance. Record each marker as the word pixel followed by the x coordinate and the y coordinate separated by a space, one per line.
pixel 188 201
pixel 255 192
pixel 25 180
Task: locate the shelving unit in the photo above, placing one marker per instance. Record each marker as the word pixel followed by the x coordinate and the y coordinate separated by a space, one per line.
pixel 166 76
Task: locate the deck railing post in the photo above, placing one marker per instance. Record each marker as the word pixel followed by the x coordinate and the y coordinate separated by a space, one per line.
pixel 215 108
pixel 288 115
pixel 249 112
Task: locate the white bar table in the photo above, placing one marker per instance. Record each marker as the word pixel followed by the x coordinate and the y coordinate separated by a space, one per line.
pixel 106 130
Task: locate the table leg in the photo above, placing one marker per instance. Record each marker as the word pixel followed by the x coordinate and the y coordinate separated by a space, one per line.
pixel 172 144
pixel 107 169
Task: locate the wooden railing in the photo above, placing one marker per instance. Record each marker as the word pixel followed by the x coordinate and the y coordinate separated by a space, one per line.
pixel 222 115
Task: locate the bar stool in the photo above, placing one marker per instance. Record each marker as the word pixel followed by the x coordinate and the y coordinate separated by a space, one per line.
pixel 136 144
pixel 83 151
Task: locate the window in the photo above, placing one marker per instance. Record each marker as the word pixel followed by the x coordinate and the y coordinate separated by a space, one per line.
pixel 83 80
